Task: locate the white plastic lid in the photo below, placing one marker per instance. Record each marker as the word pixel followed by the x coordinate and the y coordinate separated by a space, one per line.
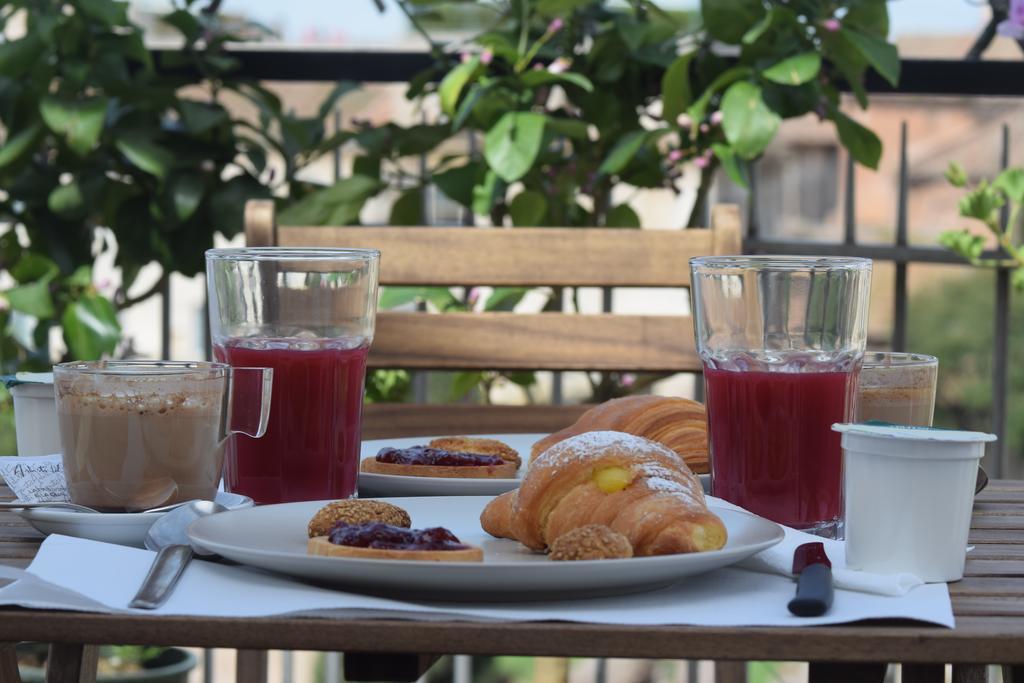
pixel 925 443
pixel 914 433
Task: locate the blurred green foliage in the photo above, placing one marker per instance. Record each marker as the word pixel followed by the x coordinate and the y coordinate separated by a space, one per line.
pixel 955 322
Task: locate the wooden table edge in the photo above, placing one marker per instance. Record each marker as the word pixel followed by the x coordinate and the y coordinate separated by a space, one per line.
pixel 977 640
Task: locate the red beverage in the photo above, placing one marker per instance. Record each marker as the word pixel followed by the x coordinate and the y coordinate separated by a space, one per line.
pixel 311 448
pixel 772 445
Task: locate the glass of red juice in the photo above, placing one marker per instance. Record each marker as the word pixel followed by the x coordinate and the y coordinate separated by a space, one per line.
pixel 781 339
pixel 309 315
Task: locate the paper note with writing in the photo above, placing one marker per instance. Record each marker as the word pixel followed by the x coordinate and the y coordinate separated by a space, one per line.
pixel 35 479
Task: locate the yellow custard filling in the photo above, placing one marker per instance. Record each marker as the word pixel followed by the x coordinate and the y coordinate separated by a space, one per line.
pixel 612 479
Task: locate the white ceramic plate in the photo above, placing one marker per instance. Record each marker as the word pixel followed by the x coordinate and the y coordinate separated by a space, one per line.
pixel 373 485
pixel 274 537
pixel 123 528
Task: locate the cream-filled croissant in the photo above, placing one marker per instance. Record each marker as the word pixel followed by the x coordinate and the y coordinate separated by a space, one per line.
pixel 635 486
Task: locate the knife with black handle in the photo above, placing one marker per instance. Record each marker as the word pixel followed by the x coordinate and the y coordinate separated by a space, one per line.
pixel 813 572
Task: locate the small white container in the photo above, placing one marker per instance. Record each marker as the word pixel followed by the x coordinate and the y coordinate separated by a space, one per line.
pixel 35 416
pixel 908 494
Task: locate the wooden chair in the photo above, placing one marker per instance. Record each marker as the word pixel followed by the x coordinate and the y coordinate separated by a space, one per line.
pixel 516 257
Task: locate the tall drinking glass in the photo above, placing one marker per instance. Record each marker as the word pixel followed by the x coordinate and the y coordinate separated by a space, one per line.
pixel 308 314
pixel 781 339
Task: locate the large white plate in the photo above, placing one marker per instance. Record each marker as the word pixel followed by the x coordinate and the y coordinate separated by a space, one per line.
pixel 372 485
pixel 274 537
pixel 123 528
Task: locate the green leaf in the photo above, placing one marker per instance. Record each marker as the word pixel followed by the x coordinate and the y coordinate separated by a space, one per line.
pixel 338 204
pixel 82 277
pixel 463 383
pixel 676 95
pixel 227 203
pixel 963 243
pixel 19 144
pixel 981 203
pixel 487 192
pixel 528 208
pixel 31 266
pixel 795 70
pixel 476 91
pixel 731 164
pixel 863 145
pixel 749 125
pixel 440 297
pixel 145 155
pixel 186 23
pixel 729 20
pixel 66 200
pixel 877 52
pixel 79 122
pixel 868 16
pixel 698 109
pixel 340 89
pixel 33 298
pixel 775 15
pixel 956 175
pixel 18 56
pixel 849 61
pixel 187 192
pixel 570 128
pixel 505 298
pixel 539 77
pixel 623 152
pixel 90 327
pixel 366 165
pixel 200 117
pixel 622 216
pixel 1011 182
pixel 109 12
pixel 408 208
pixel 559 8
pixel 1017 278
pixel 457 183
pixel 513 143
pixel 454 82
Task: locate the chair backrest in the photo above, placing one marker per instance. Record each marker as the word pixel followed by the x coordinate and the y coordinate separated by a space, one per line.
pixel 523 257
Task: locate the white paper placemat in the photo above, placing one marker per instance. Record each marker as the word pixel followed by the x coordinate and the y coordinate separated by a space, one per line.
pixel 77 574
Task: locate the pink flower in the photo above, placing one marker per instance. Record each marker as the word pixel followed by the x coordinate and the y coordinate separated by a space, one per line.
pixel 465 57
pixel 1013 27
pixel 486 56
pixel 705 128
pixel 474 296
pixel 675 155
pixel 831 25
pixel 684 121
pixel 704 159
pixel 555 26
pixel 716 118
pixel 627 379
pixel 560 65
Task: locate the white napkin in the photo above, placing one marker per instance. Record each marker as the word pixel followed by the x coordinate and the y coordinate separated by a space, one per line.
pixel 779 560
pixel 77 574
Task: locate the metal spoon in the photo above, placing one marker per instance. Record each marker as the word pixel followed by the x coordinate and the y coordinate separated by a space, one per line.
pixel 19 505
pixel 168 536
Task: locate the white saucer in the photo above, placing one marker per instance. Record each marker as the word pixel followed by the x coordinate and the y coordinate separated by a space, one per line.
pixel 123 528
pixel 274 537
pixel 373 485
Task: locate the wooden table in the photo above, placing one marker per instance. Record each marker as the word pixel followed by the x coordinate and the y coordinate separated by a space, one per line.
pixel 988 603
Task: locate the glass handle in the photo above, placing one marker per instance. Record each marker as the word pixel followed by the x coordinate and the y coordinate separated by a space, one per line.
pixel 249 391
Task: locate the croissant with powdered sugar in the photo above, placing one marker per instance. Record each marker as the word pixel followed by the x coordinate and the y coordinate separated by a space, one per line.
pixel 636 487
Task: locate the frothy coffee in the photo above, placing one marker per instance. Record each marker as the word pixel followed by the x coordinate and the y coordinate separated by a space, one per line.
pixel 898 394
pixel 133 442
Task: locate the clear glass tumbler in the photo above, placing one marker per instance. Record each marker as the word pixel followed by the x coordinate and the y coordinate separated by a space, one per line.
pixel 781 339
pixel 308 314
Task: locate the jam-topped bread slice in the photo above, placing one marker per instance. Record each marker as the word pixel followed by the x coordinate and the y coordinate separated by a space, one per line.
pixel 379 541
pixel 357 511
pixel 495 460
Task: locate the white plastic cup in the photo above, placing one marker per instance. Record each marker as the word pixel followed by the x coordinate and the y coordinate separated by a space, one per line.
pixel 35 419
pixel 909 492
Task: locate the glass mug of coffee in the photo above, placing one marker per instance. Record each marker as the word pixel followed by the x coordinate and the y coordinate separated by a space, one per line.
pixel 898 388
pixel 309 314
pixel 781 340
pixel 141 434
